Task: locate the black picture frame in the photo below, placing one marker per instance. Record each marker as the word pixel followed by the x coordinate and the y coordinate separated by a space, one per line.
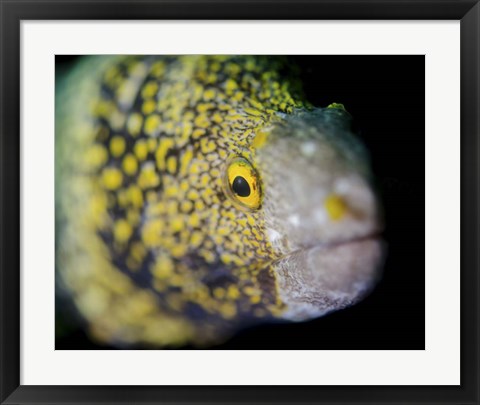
pixel 13 12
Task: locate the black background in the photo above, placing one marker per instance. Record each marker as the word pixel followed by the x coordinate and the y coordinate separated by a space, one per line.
pixel 386 97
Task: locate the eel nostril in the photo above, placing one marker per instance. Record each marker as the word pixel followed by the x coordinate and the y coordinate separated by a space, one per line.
pixel 335 206
pixel 357 196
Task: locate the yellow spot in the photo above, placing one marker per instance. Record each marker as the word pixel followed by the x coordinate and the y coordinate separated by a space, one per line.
pixel 230 85
pixel 148 106
pixel 222 153
pixel 169 127
pixel 126 93
pixel 150 89
pixel 171 190
pixel 186 131
pixel 158 69
pixel 260 139
pixel 197 133
pixel 186 206
pixel 217 117
pixel 184 185
pixel 207 145
pixel 152 144
pixel 151 233
pixel 117 120
pixel 176 224
pixel 122 231
pixel 255 299
pixel 172 164
pixel 133 216
pixel 112 178
pixel 233 69
pixel 103 108
pixel 207 255
pixel 234 117
pixel 162 150
pixel 138 251
pixel 215 66
pixel 224 107
pixel 219 292
pixel 253 111
pixel 112 73
pixel 193 195
pixel 130 164
pixel 197 92
pixel 163 267
pixel 152 124
pixel 335 207
pixel 152 197
pixel 201 121
pixel 98 206
pixel 227 258
pixel 141 149
pixel 201 108
pixel 211 78
pixel 117 146
pixel 228 310
pixel 209 95
pixel 122 198
pixel 199 205
pixel 134 124
pixel 135 196
pixel 238 96
pixel 194 220
pixel 196 239
pixel 233 292
pixel 223 231
pixel 172 207
pixel 137 69
pixel 96 156
pixel 176 280
pixel 205 179
pixel 266 94
pixel 185 161
pixel 178 251
pixel 148 177
pixel 208 244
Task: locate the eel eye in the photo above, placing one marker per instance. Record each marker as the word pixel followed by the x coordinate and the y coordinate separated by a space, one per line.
pixel 243 183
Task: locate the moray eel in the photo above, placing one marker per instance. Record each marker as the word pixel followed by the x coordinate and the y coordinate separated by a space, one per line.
pixel 199 195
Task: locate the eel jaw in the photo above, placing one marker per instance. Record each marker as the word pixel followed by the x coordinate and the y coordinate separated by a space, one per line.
pixel 315 280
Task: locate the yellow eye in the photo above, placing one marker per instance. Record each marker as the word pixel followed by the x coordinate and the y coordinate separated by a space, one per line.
pixel 243 183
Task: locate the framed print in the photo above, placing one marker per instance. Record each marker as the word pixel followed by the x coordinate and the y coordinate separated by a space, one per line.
pixel 239 202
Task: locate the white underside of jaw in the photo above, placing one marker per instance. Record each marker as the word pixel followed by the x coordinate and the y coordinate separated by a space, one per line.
pixel 325 278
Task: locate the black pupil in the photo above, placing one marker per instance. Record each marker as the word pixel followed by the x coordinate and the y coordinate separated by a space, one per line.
pixel 241 187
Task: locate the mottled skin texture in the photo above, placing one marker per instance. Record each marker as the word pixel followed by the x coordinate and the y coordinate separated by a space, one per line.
pixel 152 244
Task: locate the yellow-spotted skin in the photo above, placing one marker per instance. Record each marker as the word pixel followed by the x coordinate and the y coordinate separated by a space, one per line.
pixel 152 244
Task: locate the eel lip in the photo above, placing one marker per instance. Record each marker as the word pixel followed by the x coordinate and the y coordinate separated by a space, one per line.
pixel 327 277
pixel 375 235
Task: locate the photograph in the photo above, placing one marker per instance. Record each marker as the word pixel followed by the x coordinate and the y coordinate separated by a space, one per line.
pixel 240 202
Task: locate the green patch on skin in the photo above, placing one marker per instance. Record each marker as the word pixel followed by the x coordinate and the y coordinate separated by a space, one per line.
pixel 337 105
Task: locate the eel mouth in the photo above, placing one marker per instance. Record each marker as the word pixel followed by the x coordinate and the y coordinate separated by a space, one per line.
pixel 326 246
pixel 325 277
